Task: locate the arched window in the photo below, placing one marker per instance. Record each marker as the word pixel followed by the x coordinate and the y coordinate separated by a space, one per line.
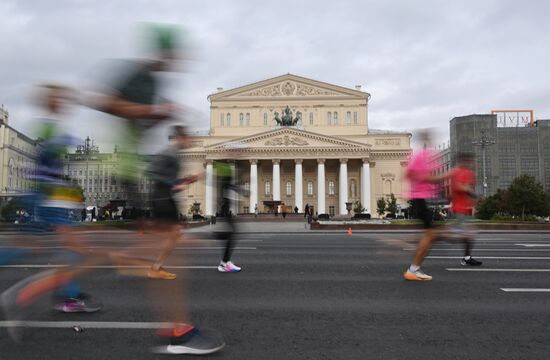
pixel 241 119
pixel 348 118
pixel 247 119
pixel 288 188
pixel 335 118
pixel 310 187
pixel 267 188
pixel 331 187
pixel 329 118
pixel 221 119
pixel 228 119
pixel 265 119
pixel 310 118
pixel 353 188
pixel 387 187
pixel 355 118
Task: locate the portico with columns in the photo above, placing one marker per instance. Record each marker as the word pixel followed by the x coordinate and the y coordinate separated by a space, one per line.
pixel 326 158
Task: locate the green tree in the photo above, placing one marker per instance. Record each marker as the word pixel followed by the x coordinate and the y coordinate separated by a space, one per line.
pixel 498 203
pixel 380 206
pixel 358 207
pixel 391 204
pixel 527 197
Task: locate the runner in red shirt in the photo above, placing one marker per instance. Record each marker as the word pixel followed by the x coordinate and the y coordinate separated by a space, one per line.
pixel 463 198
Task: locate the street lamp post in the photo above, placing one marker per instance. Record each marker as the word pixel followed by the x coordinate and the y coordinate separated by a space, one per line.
pixel 484 141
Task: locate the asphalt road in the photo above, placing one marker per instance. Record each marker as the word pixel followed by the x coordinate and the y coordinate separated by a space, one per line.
pixel 311 296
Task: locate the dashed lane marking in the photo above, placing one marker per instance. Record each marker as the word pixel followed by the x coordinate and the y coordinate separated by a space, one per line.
pixel 496 270
pixel 525 290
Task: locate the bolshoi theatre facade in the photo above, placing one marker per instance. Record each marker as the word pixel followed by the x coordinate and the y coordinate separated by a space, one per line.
pixel 295 141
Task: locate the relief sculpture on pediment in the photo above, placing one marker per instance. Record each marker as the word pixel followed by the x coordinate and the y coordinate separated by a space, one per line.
pixel 305 90
pixel 388 142
pixel 286 141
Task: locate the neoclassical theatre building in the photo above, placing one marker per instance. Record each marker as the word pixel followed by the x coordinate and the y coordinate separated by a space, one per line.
pixel 296 141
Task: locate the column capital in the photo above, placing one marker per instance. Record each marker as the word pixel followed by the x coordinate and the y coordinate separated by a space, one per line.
pixel 253 162
pixel 298 161
pixel 276 161
pixel 320 161
pixel 343 161
pixel 365 160
pixel 209 162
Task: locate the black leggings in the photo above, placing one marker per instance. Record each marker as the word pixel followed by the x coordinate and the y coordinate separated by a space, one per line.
pixel 227 235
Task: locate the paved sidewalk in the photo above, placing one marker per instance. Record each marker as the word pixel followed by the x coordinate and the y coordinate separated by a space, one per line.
pixel 255 227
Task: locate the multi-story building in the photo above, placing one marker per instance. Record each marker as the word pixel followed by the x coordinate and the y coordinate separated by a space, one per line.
pixel 297 141
pixel 511 149
pixel 18 155
pixel 442 165
pixel 97 174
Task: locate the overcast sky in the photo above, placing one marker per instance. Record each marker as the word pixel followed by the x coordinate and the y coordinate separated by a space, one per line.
pixel 424 62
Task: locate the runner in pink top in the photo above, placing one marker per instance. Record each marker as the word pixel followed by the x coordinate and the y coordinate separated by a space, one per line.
pixel 422 186
pixel 419 171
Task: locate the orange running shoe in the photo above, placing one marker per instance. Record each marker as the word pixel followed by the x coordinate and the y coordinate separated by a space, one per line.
pixel 160 274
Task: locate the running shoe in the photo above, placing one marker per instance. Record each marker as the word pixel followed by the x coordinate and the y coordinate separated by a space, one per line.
pixel 470 262
pixel 82 303
pixel 228 267
pixel 194 342
pixel 418 275
pixel 160 274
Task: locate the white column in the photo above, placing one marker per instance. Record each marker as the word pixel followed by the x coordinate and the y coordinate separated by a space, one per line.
pixel 298 187
pixel 365 185
pixel 234 201
pixel 321 186
pixel 343 186
pixel 253 185
pixel 209 190
pixel 276 180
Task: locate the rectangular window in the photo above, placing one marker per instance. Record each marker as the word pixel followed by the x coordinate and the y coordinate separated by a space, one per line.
pixel 310 187
pixel 267 188
pixel 241 119
pixel 331 210
pixel 348 118
pixel 265 119
pixel 288 188
pixel 310 118
pixel 355 118
pixel 247 119
pixel 331 187
pixel 335 118
pixel 221 119
pixel 329 118
pixel 228 119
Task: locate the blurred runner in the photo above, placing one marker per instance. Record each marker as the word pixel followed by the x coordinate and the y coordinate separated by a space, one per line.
pixel 135 96
pixel 463 198
pixel 55 199
pixel 225 173
pixel 164 172
pixel 419 173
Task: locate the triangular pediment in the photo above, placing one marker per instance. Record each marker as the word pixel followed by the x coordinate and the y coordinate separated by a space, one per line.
pixel 289 137
pixel 288 86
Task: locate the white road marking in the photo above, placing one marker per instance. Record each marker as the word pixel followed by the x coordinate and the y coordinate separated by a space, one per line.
pixel 494 257
pixel 55 266
pixel 534 245
pixel 496 270
pixel 476 249
pixel 133 247
pixel 525 290
pixel 86 324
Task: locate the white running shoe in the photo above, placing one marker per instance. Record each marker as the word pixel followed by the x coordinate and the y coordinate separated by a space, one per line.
pixel 418 275
pixel 228 267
